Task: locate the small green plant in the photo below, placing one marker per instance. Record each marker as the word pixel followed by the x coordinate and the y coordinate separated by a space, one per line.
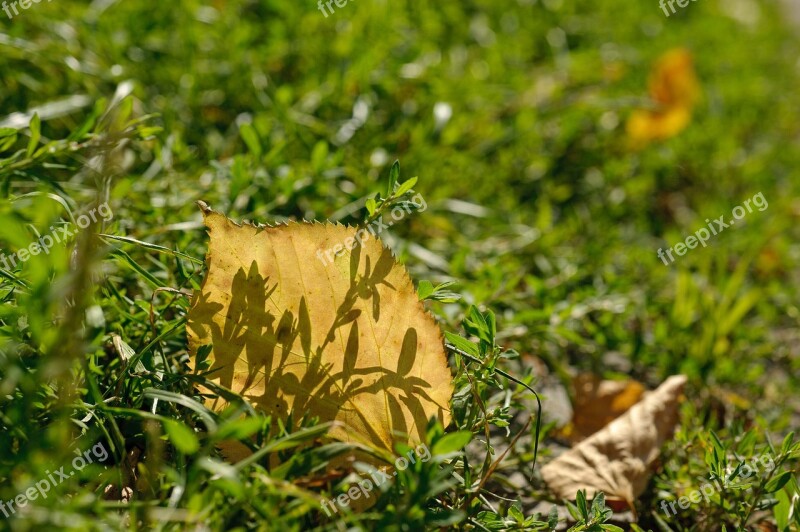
pixel 395 196
pixel 729 479
pixel 591 517
pixel 516 520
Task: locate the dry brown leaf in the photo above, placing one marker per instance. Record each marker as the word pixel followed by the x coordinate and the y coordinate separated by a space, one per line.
pixel 347 341
pixel 598 402
pixel 618 459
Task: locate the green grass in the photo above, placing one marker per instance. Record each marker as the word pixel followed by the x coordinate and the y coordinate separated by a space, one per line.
pixel 537 210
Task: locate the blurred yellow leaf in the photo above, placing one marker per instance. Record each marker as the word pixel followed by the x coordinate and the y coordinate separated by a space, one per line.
pixel 673 82
pixel 645 126
pixel 347 341
pixel 674 90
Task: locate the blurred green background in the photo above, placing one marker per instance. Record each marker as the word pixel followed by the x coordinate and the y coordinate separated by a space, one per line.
pixel 513 115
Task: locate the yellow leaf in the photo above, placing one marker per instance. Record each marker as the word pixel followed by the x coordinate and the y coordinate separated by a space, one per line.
pixel 673 82
pixel 674 90
pixel 347 341
pixel 618 459
pixel 645 126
